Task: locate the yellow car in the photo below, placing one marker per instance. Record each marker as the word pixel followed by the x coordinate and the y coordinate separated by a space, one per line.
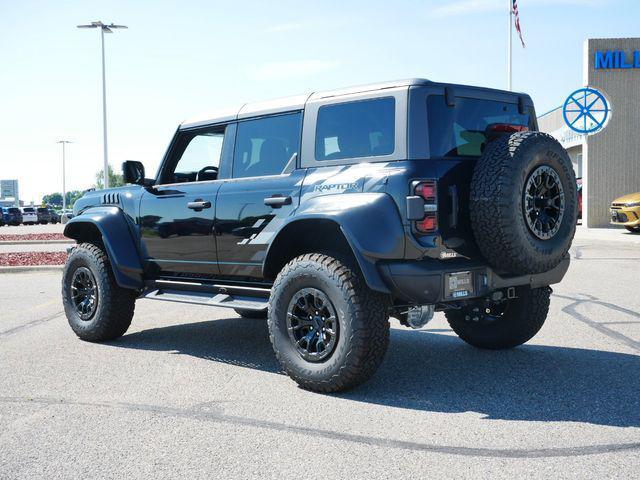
pixel 625 211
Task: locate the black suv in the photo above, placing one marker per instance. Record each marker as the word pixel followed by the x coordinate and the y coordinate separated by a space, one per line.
pixel 44 215
pixel 12 215
pixel 328 213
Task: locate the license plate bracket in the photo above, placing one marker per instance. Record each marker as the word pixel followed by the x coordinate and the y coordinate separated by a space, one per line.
pixel 458 285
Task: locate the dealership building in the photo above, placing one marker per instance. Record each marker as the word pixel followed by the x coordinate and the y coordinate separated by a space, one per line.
pixel 608 159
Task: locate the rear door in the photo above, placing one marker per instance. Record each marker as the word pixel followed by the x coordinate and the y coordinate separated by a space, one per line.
pixel 263 190
pixel 177 214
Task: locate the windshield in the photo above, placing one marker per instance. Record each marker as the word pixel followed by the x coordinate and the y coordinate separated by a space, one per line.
pixel 460 131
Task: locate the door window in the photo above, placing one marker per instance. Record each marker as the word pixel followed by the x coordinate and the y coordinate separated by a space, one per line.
pixel 197 156
pixel 266 145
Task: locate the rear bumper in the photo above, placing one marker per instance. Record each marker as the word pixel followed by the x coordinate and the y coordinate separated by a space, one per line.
pixel 428 281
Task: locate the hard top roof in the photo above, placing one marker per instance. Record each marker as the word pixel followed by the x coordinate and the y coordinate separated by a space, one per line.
pixel 295 102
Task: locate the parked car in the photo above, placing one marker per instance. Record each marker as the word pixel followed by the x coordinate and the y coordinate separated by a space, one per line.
pixel 66 215
pixel 55 218
pixel 44 215
pixel 579 181
pixel 12 215
pixel 625 211
pixel 330 212
pixel 29 216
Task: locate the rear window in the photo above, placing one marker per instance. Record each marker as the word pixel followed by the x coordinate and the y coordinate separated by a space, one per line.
pixel 43 210
pixel 460 131
pixel 28 210
pixel 13 210
pixel 358 129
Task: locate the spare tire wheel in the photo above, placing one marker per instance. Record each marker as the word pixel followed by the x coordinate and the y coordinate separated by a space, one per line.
pixel 524 203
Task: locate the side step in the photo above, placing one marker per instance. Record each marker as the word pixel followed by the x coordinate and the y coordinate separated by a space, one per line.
pixel 228 296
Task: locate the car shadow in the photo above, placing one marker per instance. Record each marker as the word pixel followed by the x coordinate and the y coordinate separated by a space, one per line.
pixel 435 371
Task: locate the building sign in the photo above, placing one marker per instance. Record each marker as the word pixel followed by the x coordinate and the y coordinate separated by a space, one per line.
pixel 616 59
pixel 586 111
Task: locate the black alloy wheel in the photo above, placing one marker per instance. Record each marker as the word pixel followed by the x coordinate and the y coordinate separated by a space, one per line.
pixel 84 293
pixel 312 324
pixel 544 203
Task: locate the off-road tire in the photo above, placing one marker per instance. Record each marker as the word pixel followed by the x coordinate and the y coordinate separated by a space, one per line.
pixel 496 203
pixel 633 229
pixel 521 321
pixel 115 305
pixel 363 320
pixel 251 313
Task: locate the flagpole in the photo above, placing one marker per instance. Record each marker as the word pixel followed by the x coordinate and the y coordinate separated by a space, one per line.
pixel 509 48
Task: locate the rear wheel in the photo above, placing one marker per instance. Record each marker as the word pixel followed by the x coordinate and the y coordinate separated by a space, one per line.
pixel 96 307
pixel 251 313
pixel 328 329
pixel 501 325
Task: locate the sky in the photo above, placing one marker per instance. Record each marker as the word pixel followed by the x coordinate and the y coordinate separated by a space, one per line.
pixel 179 59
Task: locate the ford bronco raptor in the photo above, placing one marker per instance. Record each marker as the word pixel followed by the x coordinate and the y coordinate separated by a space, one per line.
pixel 330 212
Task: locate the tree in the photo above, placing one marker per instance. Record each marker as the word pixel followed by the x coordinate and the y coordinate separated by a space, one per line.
pixel 55 199
pixel 115 179
pixel 52 199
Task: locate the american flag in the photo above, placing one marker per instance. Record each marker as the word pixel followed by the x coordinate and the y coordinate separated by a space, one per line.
pixel 517 20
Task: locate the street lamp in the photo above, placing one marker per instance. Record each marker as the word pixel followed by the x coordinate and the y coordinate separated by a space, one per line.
pixel 64 189
pixel 104 29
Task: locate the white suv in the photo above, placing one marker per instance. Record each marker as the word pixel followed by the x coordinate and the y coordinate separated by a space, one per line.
pixel 29 216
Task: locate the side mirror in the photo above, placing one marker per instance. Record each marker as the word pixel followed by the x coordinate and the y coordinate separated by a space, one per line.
pixel 133 172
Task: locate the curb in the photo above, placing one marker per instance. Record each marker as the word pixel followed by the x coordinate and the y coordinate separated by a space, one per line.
pixel 33 242
pixel 31 268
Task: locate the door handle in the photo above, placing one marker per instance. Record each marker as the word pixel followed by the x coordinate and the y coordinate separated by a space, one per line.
pixel 198 205
pixel 277 201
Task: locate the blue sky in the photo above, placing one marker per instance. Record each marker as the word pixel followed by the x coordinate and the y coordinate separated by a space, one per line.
pixel 178 59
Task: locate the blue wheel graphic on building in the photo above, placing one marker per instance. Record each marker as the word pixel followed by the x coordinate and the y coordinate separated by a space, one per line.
pixel 586 111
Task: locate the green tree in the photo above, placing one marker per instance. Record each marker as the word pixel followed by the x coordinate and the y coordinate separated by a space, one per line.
pixel 55 199
pixel 52 199
pixel 115 179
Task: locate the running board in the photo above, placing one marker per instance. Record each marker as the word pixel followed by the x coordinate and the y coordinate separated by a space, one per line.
pixel 207 298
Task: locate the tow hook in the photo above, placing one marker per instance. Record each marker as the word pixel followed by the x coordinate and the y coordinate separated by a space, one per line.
pixel 419 315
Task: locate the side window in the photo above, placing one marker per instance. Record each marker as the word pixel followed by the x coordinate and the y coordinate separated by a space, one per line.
pixel 363 128
pixel 200 158
pixel 264 146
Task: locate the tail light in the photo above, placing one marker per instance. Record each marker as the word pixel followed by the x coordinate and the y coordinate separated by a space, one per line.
pixel 428 191
pixel 506 128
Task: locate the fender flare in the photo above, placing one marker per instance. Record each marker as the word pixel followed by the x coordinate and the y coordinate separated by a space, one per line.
pixel 370 222
pixel 117 239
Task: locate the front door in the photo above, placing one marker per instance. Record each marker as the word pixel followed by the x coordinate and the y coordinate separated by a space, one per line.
pixel 177 214
pixel 262 193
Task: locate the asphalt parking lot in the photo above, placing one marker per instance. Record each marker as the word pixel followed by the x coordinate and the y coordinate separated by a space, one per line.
pixel 195 392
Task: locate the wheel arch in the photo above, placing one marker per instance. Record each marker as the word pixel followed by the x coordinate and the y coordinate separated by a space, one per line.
pixel 109 227
pixel 342 223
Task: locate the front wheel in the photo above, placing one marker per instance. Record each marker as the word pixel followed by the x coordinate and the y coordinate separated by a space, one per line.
pixel 633 229
pixel 501 325
pixel 96 307
pixel 328 329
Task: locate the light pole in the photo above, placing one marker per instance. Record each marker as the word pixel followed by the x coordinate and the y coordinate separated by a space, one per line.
pixel 64 188
pixel 104 29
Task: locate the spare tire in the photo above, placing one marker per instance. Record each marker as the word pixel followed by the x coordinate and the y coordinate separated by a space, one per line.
pixel 524 203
